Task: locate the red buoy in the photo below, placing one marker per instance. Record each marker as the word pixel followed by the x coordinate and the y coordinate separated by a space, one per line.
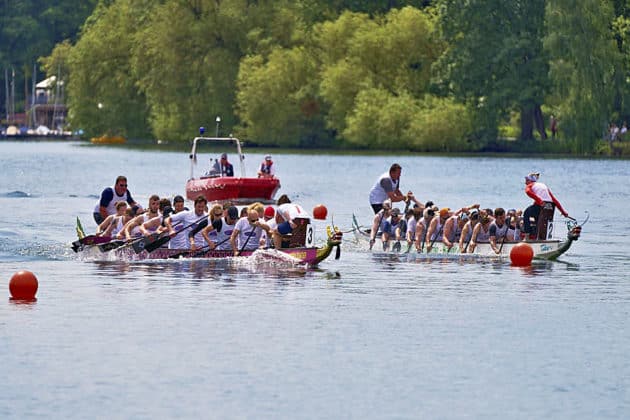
pixel 320 212
pixel 23 285
pixel 521 255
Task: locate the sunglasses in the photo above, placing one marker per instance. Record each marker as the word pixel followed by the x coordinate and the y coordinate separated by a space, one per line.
pixel 218 214
pixel 122 185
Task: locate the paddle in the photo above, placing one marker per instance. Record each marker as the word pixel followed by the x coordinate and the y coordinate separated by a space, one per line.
pixel 199 251
pixel 162 239
pixel 503 240
pixel 108 246
pixel 247 240
pixel 434 238
pixel 89 240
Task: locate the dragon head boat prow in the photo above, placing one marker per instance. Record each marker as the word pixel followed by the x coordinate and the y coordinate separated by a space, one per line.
pixel 334 237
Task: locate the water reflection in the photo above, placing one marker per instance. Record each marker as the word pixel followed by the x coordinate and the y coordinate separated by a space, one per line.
pixel 195 271
pixel 23 303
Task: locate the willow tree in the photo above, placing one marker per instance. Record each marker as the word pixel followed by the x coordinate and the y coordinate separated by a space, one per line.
pixel 495 60
pixel 102 93
pixel 584 58
pixel 373 73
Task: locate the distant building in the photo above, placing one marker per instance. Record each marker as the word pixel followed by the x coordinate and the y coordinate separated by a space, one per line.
pixel 48 108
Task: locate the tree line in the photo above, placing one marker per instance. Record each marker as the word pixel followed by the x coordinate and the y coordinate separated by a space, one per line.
pixel 442 75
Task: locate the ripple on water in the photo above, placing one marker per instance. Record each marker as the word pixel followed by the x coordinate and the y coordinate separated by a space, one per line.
pixel 15 194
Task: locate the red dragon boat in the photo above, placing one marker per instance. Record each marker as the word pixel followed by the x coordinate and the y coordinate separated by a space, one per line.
pixel 235 189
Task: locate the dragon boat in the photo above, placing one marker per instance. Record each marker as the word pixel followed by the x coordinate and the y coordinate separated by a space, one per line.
pixel 235 189
pixel 140 249
pixel 549 249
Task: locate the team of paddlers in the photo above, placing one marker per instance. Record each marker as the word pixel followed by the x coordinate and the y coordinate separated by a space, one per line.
pixel 421 225
pixel 220 227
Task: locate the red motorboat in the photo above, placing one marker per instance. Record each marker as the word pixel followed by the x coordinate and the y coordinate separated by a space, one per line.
pixel 235 189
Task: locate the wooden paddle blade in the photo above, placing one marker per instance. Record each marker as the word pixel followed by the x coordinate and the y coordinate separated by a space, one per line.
pixel 111 245
pixel 157 243
pixel 139 245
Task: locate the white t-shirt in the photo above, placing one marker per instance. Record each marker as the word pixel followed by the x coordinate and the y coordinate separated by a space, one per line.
pixel 186 220
pixel 245 230
pixel 290 211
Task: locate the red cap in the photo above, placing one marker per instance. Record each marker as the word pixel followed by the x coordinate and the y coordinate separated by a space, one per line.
pixel 270 212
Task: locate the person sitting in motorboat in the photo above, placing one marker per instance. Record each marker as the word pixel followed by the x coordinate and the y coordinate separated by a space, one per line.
pixel 219 230
pixel 289 218
pixel 226 168
pixel 220 167
pixel 247 232
pixel 267 168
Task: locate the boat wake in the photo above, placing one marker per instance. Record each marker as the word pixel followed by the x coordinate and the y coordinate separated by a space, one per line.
pixel 270 258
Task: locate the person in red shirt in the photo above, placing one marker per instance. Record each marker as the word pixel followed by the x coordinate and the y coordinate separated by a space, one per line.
pixel 541 210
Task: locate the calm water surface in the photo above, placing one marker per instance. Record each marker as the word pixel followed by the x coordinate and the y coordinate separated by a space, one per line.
pixel 366 336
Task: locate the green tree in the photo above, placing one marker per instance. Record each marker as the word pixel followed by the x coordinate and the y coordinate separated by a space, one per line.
pixel 102 93
pixel 621 34
pixel 495 61
pixel 584 59
pixel 390 57
pixel 29 29
pixel 277 99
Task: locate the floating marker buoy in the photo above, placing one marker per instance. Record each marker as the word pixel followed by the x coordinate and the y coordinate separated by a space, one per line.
pixel 521 255
pixel 320 212
pixel 23 285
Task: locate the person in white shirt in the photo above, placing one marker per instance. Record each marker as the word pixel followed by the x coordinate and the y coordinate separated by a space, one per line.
pixel 179 224
pixel 247 233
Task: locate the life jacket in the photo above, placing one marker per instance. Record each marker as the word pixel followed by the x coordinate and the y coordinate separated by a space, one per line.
pixel 265 167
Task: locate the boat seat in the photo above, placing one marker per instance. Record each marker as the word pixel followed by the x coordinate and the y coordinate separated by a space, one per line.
pixel 297 238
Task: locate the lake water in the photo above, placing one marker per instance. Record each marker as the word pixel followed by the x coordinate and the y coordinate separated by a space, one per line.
pixel 366 336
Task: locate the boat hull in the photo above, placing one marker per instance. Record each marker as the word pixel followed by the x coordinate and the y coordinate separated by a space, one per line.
pixel 234 189
pixel 305 255
pixel 545 250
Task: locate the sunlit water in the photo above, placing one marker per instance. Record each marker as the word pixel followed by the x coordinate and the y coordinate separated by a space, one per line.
pixel 368 336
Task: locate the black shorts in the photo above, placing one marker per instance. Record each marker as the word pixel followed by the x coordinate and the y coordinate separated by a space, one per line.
pixel 377 207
